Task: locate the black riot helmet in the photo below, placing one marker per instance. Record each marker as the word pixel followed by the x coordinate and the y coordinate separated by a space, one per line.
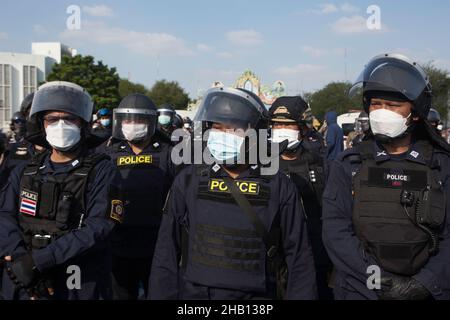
pixel 434 117
pixel 65 97
pixel 166 114
pixel 178 121
pixel 236 107
pixel 18 117
pixel 395 77
pixel 135 118
pixel 26 104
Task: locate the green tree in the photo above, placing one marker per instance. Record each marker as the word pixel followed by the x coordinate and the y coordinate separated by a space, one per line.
pixel 169 92
pixel 127 87
pixel 441 86
pixel 98 79
pixel 333 96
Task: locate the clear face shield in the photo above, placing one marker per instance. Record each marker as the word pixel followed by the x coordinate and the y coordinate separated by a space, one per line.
pixel 134 125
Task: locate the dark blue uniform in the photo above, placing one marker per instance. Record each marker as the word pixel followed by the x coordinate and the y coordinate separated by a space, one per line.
pixel 85 247
pixel 207 246
pixel 17 153
pixel 347 251
pixel 145 180
pixel 308 174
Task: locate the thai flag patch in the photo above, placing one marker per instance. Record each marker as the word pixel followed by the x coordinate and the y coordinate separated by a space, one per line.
pixel 28 202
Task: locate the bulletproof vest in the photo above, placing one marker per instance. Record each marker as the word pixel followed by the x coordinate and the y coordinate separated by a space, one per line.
pixel 399 208
pixel 307 173
pixel 144 184
pixel 217 255
pixel 53 205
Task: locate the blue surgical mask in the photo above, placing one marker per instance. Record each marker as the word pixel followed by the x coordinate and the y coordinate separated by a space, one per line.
pixel 105 122
pixel 224 146
pixel 164 120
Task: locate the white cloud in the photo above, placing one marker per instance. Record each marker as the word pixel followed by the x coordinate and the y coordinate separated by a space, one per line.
pixel 201 47
pixel 138 42
pixel 348 8
pixel 98 10
pixel 40 30
pixel 355 24
pixel 299 69
pixel 244 37
pixel 225 55
pixel 3 35
pixel 327 8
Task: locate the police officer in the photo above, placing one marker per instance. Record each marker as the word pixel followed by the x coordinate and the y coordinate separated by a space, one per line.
pixel 143 159
pixel 18 128
pixel 310 134
pixel 303 163
pixel 55 211
pixel 362 129
pixel 104 127
pixel 166 117
pixel 385 218
pixel 434 118
pixel 229 232
pixel 21 150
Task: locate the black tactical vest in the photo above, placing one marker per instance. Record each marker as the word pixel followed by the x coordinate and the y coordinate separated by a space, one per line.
pixel 144 185
pixel 307 173
pixel 244 259
pixel 50 205
pixel 399 208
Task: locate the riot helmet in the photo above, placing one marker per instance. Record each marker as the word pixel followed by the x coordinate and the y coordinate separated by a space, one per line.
pixel 166 115
pixel 135 119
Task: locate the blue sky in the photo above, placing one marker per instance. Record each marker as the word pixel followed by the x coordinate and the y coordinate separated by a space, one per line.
pixel 197 42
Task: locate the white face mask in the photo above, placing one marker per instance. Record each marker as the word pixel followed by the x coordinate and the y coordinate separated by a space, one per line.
pixel 280 135
pixel 388 123
pixel 134 131
pixel 62 136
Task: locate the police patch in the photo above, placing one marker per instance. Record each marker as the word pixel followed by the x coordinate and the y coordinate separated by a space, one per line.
pixel 28 202
pixel 246 187
pixel 134 160
pixel 117 210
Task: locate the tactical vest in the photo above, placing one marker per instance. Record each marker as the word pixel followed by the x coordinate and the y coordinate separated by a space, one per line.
pixel 144 185
pixel 217 255
pixel 307 173
pixel 398 209
pixel 52 205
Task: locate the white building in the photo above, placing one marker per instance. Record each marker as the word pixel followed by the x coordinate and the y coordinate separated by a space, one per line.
pixel 20 74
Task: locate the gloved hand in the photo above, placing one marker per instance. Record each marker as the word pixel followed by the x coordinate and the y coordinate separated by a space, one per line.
pixel 23 270
pixel 401 288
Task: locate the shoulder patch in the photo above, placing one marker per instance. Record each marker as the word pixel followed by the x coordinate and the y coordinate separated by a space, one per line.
pixel 117 210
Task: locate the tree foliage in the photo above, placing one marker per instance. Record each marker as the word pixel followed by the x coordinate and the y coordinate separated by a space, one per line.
pixel 169 92
pixel 98 79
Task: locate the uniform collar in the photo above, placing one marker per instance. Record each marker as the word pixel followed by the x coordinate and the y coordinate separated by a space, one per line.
pixel 253 171
pixel 124 146
pixel 414 154
pixel 50 167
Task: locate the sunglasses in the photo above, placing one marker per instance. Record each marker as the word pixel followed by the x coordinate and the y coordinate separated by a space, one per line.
pixel 66 119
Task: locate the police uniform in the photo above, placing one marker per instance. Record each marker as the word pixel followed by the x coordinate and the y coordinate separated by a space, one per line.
pixel 308 174
pixel 56 216
pixel 208 240
pixel 19 152
pixel 61 212
pixel 371 202
pixel 385 216
pixel 145 181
